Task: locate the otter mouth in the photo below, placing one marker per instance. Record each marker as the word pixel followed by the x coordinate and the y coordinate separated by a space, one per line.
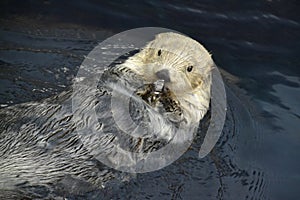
pixel 159 86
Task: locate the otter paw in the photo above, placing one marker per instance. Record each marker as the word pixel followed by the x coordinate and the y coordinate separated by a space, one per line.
pixel 148 95
pixel 175 117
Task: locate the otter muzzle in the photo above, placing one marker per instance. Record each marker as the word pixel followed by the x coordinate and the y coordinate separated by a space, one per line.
pixel 164 75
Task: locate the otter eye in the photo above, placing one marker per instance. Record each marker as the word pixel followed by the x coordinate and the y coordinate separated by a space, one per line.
pixel 189 68
pixel 159 52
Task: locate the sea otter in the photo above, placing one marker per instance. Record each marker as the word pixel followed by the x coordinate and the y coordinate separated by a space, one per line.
pixel 183 64
pixel 43 143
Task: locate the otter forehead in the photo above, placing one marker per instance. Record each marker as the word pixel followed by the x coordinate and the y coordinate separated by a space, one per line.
pixel 180 46
pixel 172 50
pixel 175 58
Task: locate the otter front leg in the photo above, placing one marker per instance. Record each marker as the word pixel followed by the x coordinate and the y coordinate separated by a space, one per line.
pixel 172 106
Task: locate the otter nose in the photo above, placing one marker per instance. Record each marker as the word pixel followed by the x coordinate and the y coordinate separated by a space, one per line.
pixel 164 75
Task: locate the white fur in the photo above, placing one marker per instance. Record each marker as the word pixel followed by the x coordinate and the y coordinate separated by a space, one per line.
pixel 177 53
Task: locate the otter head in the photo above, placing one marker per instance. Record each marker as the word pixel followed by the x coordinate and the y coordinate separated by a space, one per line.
pixel 183 64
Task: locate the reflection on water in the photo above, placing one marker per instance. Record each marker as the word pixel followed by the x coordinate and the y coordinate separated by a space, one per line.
pixel 44 42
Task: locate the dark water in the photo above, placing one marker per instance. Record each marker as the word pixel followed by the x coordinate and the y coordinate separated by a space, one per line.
pixel 44 42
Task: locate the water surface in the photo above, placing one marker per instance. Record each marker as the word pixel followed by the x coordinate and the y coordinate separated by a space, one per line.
pixel 44 42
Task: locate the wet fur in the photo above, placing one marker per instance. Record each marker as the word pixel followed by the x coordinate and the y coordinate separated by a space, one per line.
pixel 39 142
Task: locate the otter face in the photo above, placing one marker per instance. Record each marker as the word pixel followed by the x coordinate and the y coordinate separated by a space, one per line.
pixel 183 64
pixel 180 61
pixel 181 74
